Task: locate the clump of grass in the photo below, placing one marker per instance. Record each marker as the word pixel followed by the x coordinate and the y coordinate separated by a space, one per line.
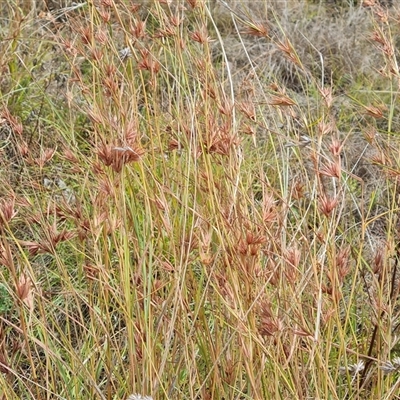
pixel 186 222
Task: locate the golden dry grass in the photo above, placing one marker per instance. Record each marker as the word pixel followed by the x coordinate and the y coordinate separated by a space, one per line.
pixel 199 200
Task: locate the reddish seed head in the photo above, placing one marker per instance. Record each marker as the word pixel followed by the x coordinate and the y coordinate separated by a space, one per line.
pixel 248 109
pixel 281 101
pixel 374 111
pixel 86 35
pixel 105 15
pixel 327 204
pixel 326 93
pixel 289 51
pixel 192 3
pixel 200 36
pixel 138 29
pixel 332 170
pixel 335 148
pixel 7 210
pixel 258 30
pixel 106 3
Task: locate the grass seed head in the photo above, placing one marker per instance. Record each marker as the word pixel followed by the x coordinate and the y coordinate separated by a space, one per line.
pixel 327 204
pixel 256 29
pixel 336 148
pixel 201 35
pixel 7 210
pixel 332 170
pixel 138 29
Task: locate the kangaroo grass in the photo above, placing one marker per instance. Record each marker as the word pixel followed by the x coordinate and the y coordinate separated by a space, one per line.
pixel 199 200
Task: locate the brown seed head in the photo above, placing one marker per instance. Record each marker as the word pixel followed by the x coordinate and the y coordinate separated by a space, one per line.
pixel 325 128
pixel 138 29
pixel 192 3
pixel 292 256
pixel 226 108
pixel 287 48
pixel 375 111
pixel 335 147
pixel 281 100
pixel 342 262
pixel 105 15
pixel 326 93
pixel 248 109
pixel 378 159
pixel 45 156
pixel 176 20
pixel 97 54
pixel 258 29
pixel 332 170
pixel 378 260
pixel 6 118
pixel 69 47
pixel 269 325
pixel 24 290
pixel 200 36
pixel 134 8
pixel 298 190
pixel 7 210
pixel 101 36
pixel 148 63
pixel 327 204
pixel 86 35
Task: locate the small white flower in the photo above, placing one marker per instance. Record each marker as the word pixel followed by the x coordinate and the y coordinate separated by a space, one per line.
pixel 139 397
pixel 389 367
pixel 396 362
pixel 124 53
pixel 353 369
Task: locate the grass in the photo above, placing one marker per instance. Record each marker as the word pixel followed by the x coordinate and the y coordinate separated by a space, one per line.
pixel 199 200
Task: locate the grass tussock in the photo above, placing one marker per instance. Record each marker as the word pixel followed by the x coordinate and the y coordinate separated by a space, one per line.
pixel 199 200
